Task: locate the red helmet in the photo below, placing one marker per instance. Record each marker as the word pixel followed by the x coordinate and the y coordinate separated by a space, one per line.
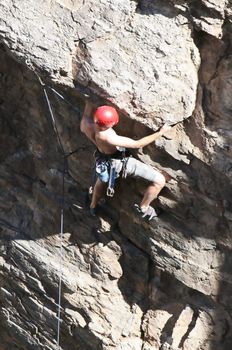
pixel 106 116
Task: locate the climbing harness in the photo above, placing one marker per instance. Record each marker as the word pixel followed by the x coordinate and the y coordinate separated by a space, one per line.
pixel 65 171
pixel 102 170
pixel 106 170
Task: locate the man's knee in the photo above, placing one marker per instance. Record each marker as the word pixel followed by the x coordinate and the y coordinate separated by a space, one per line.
pixel 160 180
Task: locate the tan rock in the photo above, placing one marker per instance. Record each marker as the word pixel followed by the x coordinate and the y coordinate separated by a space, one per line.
pixel 181 326
pixel 125 282
pixel 153 324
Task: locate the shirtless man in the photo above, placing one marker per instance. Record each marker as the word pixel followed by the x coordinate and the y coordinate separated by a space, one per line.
pixel 97 126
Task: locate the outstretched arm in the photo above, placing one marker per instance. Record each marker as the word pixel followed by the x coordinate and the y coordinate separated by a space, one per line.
pixel 87 124
pixel 121 141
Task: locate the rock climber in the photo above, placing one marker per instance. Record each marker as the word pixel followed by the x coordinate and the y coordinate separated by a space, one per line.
pixel 112 159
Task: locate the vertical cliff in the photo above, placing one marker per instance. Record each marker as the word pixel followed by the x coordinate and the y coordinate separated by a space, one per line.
pixel 126 285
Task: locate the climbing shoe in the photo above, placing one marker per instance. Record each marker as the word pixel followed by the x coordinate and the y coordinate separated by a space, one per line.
pixel 148 214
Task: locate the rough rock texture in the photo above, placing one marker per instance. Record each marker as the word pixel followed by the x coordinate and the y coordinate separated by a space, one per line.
pixel 126 285
pixel 108 46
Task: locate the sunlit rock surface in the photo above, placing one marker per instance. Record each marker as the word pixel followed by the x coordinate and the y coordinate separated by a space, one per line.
pixel 126 284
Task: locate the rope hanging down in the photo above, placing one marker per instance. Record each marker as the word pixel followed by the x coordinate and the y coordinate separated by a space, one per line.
pixel 65 171
pixel 61 216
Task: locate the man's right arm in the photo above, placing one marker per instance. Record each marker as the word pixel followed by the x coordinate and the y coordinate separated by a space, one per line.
pixel 87 124
pixel 87 115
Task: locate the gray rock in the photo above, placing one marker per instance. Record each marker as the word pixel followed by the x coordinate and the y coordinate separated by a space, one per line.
pixel 126 284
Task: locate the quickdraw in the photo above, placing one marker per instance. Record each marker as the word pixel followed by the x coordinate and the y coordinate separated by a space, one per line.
pixel 112 178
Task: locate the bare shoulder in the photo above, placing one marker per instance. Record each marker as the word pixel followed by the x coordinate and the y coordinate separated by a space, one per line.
pixel 111 132
pixel 106 135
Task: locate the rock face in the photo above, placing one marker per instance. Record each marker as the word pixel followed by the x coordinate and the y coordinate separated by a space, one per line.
pixel 126 285
pixel 108 46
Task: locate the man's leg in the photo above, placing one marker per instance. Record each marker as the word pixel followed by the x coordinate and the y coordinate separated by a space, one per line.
pixel 152 191
pixel 98 192
pixel 136 168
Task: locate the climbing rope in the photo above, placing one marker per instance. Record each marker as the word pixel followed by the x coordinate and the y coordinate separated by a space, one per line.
pixel 61 255
pixel 65 170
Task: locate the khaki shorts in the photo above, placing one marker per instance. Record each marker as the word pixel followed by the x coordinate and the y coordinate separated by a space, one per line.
pixel 136 168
